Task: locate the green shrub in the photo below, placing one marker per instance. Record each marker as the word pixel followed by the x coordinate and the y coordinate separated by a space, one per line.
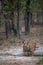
pixel 12 40
pixel 40 61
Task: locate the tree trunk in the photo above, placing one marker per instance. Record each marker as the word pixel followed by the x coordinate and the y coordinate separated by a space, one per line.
pixel 18 18
pixel 6 29
pixel 42 17
pixel 12 18
pixel 28 22
pixel 27 14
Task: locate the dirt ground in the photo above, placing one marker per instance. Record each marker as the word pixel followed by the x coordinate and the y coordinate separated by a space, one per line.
pixel 13 60
pixel 17 62
pixel 36 35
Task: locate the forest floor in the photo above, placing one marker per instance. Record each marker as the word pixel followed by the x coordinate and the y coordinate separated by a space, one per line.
pixel 11 53
pixel 13 56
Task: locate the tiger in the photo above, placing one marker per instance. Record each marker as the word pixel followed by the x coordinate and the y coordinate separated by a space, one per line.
pixel 30 46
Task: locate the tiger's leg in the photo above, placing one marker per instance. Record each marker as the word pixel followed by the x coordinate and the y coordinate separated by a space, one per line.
pixel 33 52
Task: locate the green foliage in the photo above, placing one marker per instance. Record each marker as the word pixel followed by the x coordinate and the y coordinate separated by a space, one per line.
pixel 40 61
pixel 22 8
pixel 6 8
pixel 40 3
pixel 34 5
pixel 12 41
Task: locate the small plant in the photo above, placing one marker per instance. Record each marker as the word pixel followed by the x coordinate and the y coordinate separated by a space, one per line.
pixel 40 61
pixel 13 40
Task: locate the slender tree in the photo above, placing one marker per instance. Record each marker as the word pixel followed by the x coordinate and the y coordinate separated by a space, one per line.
pixel 18 16
pixel 27 14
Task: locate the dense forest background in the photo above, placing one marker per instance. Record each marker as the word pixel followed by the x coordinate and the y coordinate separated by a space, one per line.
pixel 17 17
